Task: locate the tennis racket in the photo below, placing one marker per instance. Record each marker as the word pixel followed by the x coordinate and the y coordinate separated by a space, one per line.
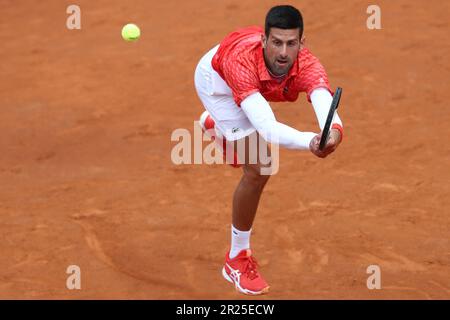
pixel 327 127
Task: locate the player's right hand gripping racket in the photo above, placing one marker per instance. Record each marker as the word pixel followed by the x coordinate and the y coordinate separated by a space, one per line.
pixel 327 127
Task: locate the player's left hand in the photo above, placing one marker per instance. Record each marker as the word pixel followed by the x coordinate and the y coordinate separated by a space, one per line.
pixel 334 139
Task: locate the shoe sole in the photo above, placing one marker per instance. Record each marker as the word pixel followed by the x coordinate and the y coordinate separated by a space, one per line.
pixel 242 290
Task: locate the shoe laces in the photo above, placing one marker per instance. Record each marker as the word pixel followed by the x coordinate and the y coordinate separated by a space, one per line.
pixel 250 266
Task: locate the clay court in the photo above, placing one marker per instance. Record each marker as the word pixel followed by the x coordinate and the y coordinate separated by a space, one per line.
pixel 86 176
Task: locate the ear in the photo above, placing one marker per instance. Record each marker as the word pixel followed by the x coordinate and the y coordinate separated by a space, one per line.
pixel 263 40
pixel 302 42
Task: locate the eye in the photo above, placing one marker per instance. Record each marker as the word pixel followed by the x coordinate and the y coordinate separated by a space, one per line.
pixel 277 43
pixel 292 43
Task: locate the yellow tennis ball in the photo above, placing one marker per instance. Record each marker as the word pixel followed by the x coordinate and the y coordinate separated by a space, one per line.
pixel 131 32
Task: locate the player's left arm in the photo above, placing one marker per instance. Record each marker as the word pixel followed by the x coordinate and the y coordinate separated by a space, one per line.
pixel 314 81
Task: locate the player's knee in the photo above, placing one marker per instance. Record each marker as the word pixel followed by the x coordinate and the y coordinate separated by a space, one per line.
pixel 255 175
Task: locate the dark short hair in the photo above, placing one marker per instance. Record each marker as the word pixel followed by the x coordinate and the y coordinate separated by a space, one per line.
pixel 283 17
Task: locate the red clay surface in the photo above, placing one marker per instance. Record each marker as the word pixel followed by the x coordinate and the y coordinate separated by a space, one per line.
pixel 86 176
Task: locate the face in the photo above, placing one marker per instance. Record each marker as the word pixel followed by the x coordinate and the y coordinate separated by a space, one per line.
pixel 281 49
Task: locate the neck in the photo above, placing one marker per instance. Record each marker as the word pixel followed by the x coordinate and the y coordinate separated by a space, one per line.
pixel 276 76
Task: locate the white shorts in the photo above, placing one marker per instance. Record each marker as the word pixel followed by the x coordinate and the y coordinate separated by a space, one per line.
pixel 217 98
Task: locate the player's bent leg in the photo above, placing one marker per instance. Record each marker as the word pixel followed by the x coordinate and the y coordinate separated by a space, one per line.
pixel 248 192
pixel 225 119
pixel 242 269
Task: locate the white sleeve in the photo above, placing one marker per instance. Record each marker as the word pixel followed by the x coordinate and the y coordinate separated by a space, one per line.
pixel 321 100
pixel 262 118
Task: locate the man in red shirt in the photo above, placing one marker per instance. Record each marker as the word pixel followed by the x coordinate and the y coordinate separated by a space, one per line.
pixel 235 81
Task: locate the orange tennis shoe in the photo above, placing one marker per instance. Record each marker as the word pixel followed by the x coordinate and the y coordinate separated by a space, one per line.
pixel 242 271
pixel 208 127
pixel 207 123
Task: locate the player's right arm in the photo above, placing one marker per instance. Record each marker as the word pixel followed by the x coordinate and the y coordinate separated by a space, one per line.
pixel 261 116
pixel 241 76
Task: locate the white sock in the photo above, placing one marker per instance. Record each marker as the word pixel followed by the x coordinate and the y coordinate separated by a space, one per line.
pixel 240 240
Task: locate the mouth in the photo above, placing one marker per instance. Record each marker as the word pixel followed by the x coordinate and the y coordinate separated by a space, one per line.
pixel 282 63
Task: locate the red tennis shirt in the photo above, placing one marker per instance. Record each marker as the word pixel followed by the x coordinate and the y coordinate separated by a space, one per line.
pixel 240 62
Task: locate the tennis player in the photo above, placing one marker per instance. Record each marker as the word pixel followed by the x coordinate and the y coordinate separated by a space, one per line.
pixel 235 81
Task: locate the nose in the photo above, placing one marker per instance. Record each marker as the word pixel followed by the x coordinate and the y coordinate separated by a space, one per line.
pixel 283 52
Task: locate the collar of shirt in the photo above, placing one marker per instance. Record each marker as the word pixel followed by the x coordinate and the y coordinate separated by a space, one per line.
pixel 264 74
